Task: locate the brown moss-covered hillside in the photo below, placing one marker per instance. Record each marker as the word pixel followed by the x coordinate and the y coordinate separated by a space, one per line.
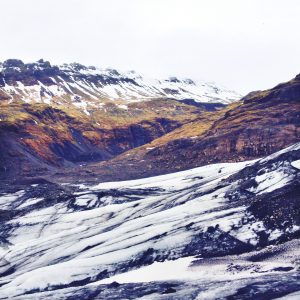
pixel 37 138
pixel 261 123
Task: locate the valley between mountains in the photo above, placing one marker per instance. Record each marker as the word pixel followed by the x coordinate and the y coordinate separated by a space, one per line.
pixel 50 122
pixel 118 186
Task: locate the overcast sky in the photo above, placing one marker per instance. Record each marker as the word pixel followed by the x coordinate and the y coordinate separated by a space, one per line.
pixel 243 44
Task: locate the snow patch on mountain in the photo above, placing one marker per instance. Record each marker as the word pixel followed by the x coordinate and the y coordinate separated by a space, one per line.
pixel 41 82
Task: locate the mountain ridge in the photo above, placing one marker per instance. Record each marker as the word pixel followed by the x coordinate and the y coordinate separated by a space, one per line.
pixel 89 88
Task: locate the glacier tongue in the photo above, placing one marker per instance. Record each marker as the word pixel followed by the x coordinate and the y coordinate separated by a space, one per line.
pixel 205 223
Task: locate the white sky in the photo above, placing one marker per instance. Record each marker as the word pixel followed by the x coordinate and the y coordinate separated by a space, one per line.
pixel 243 44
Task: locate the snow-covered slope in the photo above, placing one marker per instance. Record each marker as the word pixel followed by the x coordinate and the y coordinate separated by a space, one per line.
pixel 90 86
pixel 182 232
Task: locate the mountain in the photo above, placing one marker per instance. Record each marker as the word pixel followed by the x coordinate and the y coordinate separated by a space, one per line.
pixel 259 124
pixel 229 229
pixel 73 227
pixel 148 138
pixel 90 88
pixel 59 116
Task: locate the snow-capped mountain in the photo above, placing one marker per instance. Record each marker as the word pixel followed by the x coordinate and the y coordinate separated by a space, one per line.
pixel 91 87
pixel 225 229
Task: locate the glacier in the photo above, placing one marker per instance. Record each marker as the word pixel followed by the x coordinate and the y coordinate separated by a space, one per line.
pixel 222 230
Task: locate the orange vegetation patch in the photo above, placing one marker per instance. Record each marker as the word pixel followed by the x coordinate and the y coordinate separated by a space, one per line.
pixel 40 146
pixel 92 136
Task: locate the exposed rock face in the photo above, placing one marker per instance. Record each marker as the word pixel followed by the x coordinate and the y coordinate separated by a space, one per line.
pixel 14 71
